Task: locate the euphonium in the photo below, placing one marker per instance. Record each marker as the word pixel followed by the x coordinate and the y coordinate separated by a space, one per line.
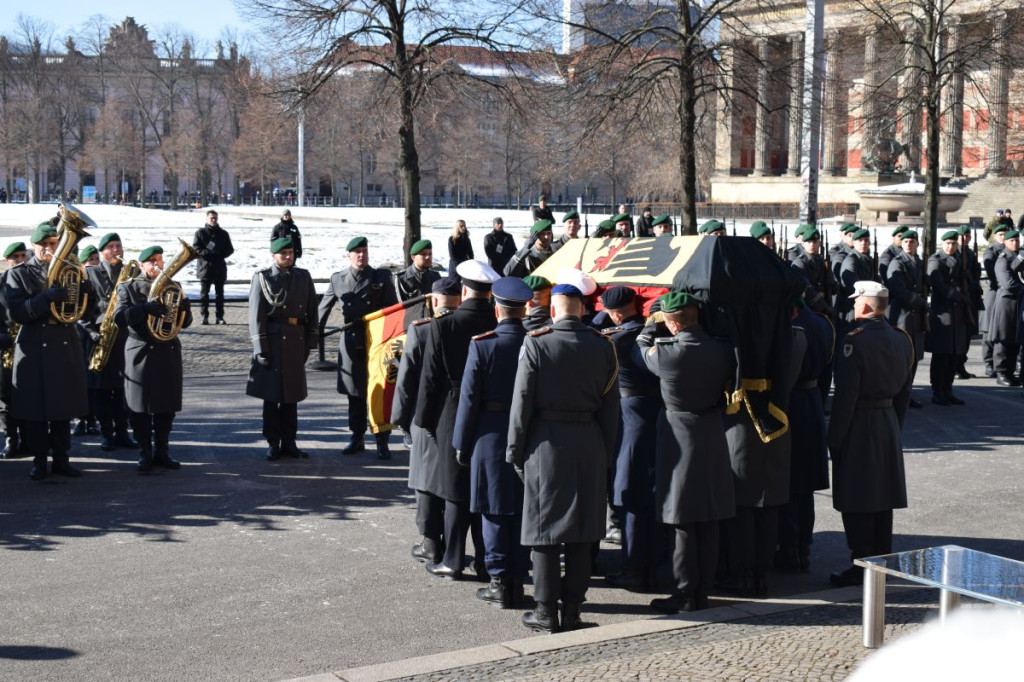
pixel 108 330
pixel 167 326
pixel 65 268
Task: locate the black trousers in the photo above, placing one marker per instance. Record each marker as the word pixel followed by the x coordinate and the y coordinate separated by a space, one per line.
pixel 942 372
pixel 41 438
pixel 358 420
pixel 153 431
pixel 641 538
pixel 548 584
pixel 204 297
pixel 1004 357
pixel 868 533
pixel 280 422
pixel 457 520
pixel 751 536
pixel 111 410
pixel 986 351
pixel 796 522
pixel 695 557
pixel 430 516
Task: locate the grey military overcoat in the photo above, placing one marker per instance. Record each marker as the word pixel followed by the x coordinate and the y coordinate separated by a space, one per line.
pixel 908 308
pixel 423 453
pixel 948 318
pixel 1005 309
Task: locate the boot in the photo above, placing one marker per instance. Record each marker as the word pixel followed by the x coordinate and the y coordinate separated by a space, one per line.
pixel 63 467
pixel 123 440
pixel 206 319
pixel 499 592
pixel 107 443
pixel 428 550
pixel 161 455
pixel 383 451
pixel 354 447
pixel 675 603
pixel 12 449
pixel 544 618
pixel 273 452
pixel 38 472
pixel 290 449
pixel 571 617
pixel 145 461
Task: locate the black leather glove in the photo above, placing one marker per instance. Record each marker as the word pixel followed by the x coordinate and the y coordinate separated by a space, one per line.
pixel 185 304
pixel 94 336
pixel 262 360
pixel 462 457
pixel 56 294
pixel 86 287
pixel 155 308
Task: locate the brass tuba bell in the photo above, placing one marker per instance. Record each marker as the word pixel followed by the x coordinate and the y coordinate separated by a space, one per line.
pixel 65 268
pixel 168 292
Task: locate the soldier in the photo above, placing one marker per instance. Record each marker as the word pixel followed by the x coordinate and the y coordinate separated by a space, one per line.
pixel 283 328
pixel 213 244
pixel 15 254
pixel 908 305
pixel 693 479
pixel 529 258
pixel 361 289
pixel 418 279
pixel 662 225
pixel 606 228
pixel 858 266
pixel 623 224
pixel 868 407
pixel 890 252
pixel 837 255
pixel 762 233
pixel 446 297
pixel 971 273
pixel 444 361
pixel 480 438
pixel 539 308
pixel 499 246
pixel 632 470
pixel 564 419
pixel 988 261
pixel 86 425
pixel 947 320
pixel 712 228
pixel 153 369
pixel 287 228
pixel 822 285
pixel 571 220
pixel 1005 312
pixel 799 236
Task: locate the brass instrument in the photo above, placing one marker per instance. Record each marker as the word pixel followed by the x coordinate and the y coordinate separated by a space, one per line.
pixel 108 330
pixel 8 354
pixel 65 268
pixel 168 292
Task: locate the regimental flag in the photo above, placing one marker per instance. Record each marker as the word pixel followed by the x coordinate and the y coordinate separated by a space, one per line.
pixel 385 339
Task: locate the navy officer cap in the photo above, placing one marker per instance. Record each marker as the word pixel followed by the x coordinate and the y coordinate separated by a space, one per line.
pixel 447 286
pixel 511 292
pixel 566 290
pixel 617 297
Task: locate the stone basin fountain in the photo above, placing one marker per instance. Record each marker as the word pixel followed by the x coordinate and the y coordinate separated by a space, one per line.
pixel 896 202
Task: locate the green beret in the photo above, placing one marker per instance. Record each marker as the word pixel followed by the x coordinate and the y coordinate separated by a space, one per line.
pixel 107 238
pixel 676 300
pixel 87 253
pixel 149 252
pixel 420 246
pixel 1013 234
pixel 280 244
pixel 570 215
pixel 909 234
pixel 900 229
pixel 619 217
pixel 537 283
pixel 848 227
pixel 861 234
pixel 811 234
pixel 356 243
pixel 711 226
pixel 758 223
pixel 803 230
pixel 1001 227
pixel 759 229
pixel 540 226
pixel 964 229
pixel 43 231
pixel 951 235
pixel 604 227
pixel 664 219
pixel 14 248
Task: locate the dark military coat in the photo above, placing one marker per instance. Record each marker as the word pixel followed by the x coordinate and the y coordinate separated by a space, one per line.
pixel 526 260
pixel 693 478
pixel 948 318
pixel 481 422
pixel 284 331
pixel 1005 322
pixel 103 278
pixel 972 287
pixel 537 318
pixel 5 340
pixel 988 262
pixel 213 244
pixel 437 402
pixel 48 378
pixel 359 292
pixel 499 248
pixel 908 307
pixel 412 283
pixel 884 259
pixel 808 470
pixel 152 369
pixel 822 284
pixel 856 268
pixel 836 256
pixel 565 418
pixel 560 242
pixel 872 392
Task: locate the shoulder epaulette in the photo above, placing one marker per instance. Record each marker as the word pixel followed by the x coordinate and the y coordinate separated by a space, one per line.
pixel 856 331
pixel 485 335
pixel 425 320
pixel 665 339
pixel 610 330
pixel 443 313
pixel 541 331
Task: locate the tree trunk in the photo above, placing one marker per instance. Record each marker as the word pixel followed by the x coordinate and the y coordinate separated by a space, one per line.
pixel 687 148
pixel 932 177
pixel 409 162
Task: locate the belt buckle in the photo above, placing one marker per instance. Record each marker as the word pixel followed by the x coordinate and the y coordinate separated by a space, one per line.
pixel 293 321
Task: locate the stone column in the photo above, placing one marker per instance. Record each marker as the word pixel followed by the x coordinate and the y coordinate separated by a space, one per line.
pixel 953 135
pixel 726 157
pixel 910 103
pixel 762 124
pixel 833 118
pixel 796 100
pixel 869 129
pixel 999 96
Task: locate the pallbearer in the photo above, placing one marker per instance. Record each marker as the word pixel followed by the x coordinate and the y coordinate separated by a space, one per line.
pixel 283 329
pixel 152 354
pixel 539 308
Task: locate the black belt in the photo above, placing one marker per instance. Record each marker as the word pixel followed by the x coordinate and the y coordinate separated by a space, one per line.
pixel 564 416
pixel 635 393
pixel 873 404
pixel 494 406
pixel 808 385
pixel 697 413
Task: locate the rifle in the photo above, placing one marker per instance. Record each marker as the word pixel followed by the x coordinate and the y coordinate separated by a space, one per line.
pixel 875 258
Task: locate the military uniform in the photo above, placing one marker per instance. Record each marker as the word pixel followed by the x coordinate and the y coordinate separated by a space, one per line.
pixel 884 259
pixel 1005 317
pixel 857 267
pixel 359 292
pixel 283 328
pixel 8 422
pixel 988 261
pixel 971 273
pixel 908 307
pixel 537 318
pixel 822 285
pixel 947 335
pixel 412 283
pixel 526 260
pixel 836 256
pixel 872 391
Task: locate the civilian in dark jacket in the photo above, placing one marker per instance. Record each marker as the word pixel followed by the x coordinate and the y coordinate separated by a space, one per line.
pixel 286 229
pixel 542 211
pixel 499 246
pixel 460 248
pixel 213 244
pixel 644 227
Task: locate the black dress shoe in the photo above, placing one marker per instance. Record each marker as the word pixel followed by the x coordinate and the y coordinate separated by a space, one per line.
pixel 1004 380
pixel 425 552
pixel 940 399
pixel 290 449
pixel 206 320
pixel 673 604
pixel 628 580
pixel 38 472
pixel 273 453
pixel 165 462
pixel 989 371
pixel 541 619
pixel 851 577
pixel 571 617
pixel 498 593
pixel 65 469
pixel 123 440
pixel 916 404
pixel 953 400
pixel 80 429
pixel 354 447
pixel 442 571
pixel 383 451
pixel 965 375
pixel 221 320
pixel 145 463
pixel 107 444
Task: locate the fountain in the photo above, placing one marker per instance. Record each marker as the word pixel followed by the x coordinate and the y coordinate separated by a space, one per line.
pixel 898 203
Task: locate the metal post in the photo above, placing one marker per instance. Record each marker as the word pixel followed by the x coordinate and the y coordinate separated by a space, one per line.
pixel 302 157
pixel 951 564
pixel 810 127
pixel 874 606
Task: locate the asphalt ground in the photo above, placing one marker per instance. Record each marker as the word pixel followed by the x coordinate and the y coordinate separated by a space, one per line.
pixel 234 568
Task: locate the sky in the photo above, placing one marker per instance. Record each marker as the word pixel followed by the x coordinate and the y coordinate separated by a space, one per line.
pixel 206 19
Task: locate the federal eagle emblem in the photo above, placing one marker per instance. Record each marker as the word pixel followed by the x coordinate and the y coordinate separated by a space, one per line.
pixel 390 359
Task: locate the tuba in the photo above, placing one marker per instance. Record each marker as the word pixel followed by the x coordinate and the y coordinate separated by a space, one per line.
pixel 108 330
pixel 65 268
pixel 167 326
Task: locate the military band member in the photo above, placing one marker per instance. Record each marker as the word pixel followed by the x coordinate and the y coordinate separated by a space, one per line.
pixel 1005 312
pixel 529 258
pixel 418 279
pixel 762 233
pixel 283 328
pixel 499 246
pixel 872 390
pixel 538 310
pixel 437 403
pixel 890 252
pixel 446 297
pixel 15 254
pixel 86 425
pixel 948 318
pixel 662 225
pixel 988 262
pixel 908 305
pixel 693 478
pixel 564 422
pixel 571 221
pixel 480 438
pixel 153 368
pixel 106 388
pixel 361 290
pixel 48 375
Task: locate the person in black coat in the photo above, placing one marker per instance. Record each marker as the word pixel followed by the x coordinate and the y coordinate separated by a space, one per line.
pixel 213 244
pixel 971 273
pixel 538 310
pixel 499 246
pixel 908 303
pixel 858 266
pixel 286 228
pixel 15 254
pixel 644 228
pixel 948 320
pixel 1005 314
pixel 437 403
pixel 890 252
pixel 988 262
pixel 460 248
pixel 417 280
pixel 542 211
